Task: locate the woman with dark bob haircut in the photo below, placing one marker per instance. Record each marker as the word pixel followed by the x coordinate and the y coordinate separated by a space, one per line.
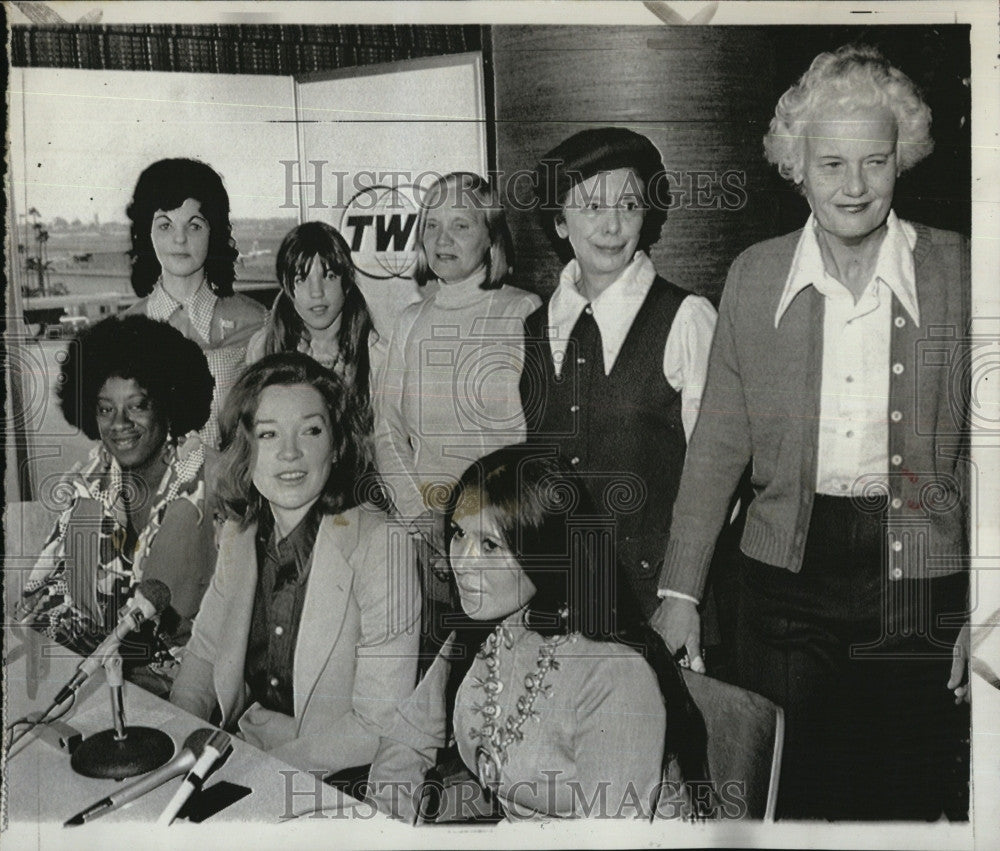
pixel 141 390
pixel 615 361
pixel 183 258
pixel 307 637
pixel 553 679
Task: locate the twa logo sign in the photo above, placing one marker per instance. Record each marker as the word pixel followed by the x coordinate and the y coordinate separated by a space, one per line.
pixel 380 225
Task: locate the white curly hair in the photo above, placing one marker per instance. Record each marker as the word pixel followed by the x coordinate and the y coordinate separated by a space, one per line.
pixel 852 77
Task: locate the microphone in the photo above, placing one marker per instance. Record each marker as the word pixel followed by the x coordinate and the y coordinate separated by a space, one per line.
pixel 194 748
pixel 151 597
pixel 215 748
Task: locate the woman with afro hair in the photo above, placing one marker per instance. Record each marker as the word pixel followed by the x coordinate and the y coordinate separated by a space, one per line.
pixel 140 507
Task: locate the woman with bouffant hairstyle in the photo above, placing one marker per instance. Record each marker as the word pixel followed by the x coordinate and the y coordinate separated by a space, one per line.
pixel 853 77
pixel 845 611
pixel 166 185
pixel 183 258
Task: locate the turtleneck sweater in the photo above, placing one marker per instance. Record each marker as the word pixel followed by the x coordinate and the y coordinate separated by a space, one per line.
pixel 450 393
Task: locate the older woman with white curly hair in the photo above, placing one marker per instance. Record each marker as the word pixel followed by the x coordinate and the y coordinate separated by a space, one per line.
pixel 853 79
pixel 852 586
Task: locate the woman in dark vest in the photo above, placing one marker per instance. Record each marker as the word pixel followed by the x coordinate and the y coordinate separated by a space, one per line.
pixel 615 360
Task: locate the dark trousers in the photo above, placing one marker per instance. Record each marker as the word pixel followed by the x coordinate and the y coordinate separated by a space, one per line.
pixel 860 663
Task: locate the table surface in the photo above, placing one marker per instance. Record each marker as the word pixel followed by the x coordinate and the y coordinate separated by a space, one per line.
pixel 41 787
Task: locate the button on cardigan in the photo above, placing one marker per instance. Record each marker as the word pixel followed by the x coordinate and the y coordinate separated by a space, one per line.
pixel 761 405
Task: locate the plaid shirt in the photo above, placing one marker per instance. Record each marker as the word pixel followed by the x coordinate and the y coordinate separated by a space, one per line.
pixel 200 309
pixel 224 362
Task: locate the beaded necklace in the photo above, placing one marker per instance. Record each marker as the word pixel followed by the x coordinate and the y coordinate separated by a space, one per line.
pixel 495 738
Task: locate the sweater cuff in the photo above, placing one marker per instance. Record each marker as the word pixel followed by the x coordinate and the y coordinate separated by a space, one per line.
pixel 685 567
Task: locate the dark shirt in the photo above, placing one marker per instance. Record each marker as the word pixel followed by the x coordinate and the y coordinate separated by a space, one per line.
pixel 282 576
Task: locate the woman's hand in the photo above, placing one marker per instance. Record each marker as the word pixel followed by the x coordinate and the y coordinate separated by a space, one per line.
pixel 679 625
pixel 958 682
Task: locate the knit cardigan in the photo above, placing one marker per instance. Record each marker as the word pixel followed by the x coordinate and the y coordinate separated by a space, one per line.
pixel 762 401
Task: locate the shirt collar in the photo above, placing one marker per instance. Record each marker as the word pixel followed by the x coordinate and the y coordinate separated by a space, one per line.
pixel 894 266
pixel 631 285
pixel 297 547
pixel 200 307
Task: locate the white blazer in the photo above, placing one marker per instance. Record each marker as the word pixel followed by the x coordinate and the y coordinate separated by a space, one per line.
pixel 355 655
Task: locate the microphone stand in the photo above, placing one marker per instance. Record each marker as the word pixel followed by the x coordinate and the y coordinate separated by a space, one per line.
pixel 121 751
pixel 116 679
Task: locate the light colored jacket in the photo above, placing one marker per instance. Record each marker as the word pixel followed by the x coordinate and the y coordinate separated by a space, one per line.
pixel 356 652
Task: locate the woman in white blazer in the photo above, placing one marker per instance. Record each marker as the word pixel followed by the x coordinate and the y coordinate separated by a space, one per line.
pixel 307 637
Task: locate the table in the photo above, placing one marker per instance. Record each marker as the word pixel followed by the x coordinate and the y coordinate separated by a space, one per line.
pixel 41 787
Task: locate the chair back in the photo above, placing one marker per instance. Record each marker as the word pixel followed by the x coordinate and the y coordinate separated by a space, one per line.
pixel 26 528
pixel 745 737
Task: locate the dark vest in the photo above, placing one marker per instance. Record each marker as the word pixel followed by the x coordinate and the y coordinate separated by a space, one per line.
pixel 622 432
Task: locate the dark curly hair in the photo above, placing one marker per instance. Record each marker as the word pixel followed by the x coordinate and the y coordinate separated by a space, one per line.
pixel 590 152
pixel 166 185
pixel 161 360
pixel 236 490
pixel 543 512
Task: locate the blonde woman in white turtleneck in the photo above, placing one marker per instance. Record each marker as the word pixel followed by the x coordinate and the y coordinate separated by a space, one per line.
pixel 450 394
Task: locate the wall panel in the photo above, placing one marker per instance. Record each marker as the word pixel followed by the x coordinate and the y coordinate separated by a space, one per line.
pixel 705 96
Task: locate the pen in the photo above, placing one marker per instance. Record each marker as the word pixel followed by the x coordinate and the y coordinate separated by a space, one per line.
pixel 194 747
pixel 92 812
